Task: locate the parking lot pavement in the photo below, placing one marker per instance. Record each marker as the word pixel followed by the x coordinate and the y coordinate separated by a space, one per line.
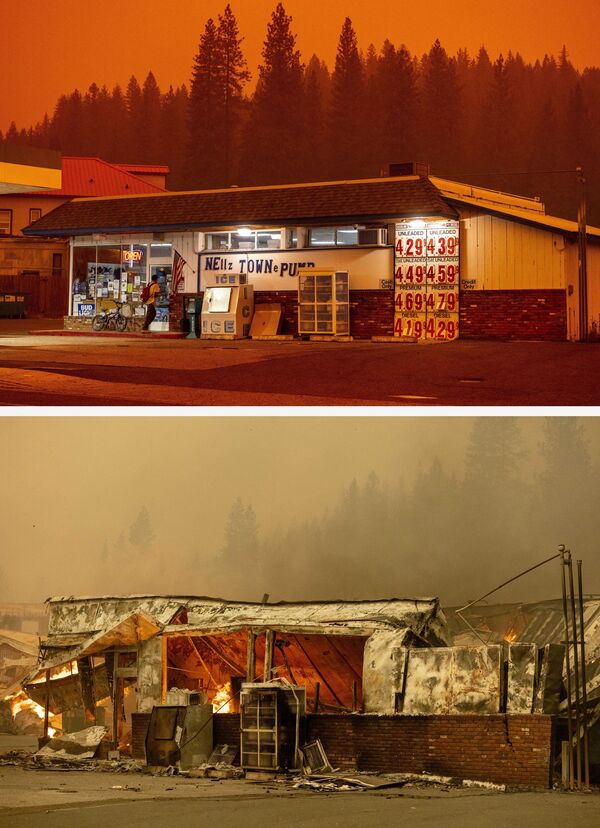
pixel 46 370
pixel 85 799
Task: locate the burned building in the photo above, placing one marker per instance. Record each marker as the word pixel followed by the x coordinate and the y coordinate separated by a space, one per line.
pixel 380 686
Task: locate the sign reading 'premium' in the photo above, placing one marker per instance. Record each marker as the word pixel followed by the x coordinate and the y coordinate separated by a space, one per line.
pixel 426 261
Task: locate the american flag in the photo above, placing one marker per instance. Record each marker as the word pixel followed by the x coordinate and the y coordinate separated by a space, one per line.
pixel 177 283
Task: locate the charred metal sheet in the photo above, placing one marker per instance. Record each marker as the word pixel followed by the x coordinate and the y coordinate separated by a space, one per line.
pixel 521 676
pixel 149 675
pixel 427 690
pixel 65 693
pixel 548 694
pixel 70 616
pixel 453 680
pixel 80 745
pixel 384 665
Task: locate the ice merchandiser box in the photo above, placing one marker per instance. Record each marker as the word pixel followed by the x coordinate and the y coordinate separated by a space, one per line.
pixel 227 307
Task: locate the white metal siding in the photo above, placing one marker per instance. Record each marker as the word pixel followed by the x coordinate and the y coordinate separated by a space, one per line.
pixel 500 254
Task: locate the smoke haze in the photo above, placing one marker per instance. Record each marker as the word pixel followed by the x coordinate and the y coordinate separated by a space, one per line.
pixel 302 508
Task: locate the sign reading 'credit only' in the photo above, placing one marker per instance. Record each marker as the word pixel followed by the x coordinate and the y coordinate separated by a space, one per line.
pixel 369 269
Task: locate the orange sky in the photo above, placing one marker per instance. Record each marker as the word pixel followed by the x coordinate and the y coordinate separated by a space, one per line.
pixel 52 46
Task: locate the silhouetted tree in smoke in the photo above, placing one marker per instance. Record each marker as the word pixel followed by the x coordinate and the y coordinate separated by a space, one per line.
pixel 346 115
pixel 141 534
pixel 566 502
pixel 273 138
pixel 238 558
pixel 215 105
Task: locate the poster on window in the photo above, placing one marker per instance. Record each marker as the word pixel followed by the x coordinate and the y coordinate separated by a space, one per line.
pixel 426 260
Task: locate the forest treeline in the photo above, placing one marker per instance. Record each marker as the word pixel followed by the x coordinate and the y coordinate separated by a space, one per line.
pixel 439 534
pixel 428 531
pixel 471 117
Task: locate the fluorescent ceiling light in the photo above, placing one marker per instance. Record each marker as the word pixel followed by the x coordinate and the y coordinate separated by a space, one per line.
pixel 244 231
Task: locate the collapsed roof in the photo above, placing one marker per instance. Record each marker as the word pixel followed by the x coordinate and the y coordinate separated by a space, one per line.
pixel 81 626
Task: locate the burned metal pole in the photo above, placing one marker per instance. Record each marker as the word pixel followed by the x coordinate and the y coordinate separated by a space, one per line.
pixel 568 666
pixel 586 741
pixel 576 668
pixel 47 706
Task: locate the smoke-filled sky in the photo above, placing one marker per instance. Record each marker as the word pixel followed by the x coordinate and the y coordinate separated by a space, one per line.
pixel 71 486
pixel 50 47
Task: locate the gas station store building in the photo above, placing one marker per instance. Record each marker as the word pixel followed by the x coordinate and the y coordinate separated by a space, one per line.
pixel 401 256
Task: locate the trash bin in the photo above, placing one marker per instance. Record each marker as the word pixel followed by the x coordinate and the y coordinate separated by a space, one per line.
pixel 193 306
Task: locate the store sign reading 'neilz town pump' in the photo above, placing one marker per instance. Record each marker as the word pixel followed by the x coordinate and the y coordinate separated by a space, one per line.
pixel 426 280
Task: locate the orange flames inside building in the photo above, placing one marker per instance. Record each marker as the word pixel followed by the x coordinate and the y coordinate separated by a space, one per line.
pixel 221 701
pixel 20 702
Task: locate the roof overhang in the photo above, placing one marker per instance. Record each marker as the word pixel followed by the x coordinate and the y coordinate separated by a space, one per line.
pixel 227 224
pixel 26 169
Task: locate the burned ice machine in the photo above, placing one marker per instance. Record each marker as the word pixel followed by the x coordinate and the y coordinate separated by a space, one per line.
pixel 227 307
pixel 272 725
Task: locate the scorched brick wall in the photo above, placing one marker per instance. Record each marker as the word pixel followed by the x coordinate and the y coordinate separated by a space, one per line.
pixel 515 750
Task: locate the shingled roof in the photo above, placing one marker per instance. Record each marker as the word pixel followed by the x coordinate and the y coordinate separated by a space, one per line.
pixel 336 202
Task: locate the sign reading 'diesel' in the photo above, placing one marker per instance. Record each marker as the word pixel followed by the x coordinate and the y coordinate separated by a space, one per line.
pixel 426 261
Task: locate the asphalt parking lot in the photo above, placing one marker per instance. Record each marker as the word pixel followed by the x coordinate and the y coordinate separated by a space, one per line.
pixel 49 370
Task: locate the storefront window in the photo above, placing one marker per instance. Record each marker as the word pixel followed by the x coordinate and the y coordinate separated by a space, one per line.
pixel 217 241
pixel 161 250
pixel 244 240
pixel 346 235
pixel 350 235
pixel 318 236
pixel 107 273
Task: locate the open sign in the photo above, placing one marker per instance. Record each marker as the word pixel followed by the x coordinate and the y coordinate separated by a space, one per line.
pixel 132 256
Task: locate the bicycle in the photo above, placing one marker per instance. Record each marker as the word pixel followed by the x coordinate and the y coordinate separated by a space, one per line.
pixel 116 318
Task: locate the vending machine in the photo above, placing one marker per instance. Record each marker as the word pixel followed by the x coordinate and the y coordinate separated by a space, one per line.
pixel 227 307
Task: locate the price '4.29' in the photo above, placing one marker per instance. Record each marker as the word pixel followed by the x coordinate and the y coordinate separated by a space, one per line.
pixel 432 328
pixel 421 246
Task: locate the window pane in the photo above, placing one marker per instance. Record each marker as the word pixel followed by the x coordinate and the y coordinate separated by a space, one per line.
pixel 347 235
pixel 293 238
pixel 268 240
pixel 160 250
pixel 5 222
pixel 240 241
pixel 217 241
pixel 321 236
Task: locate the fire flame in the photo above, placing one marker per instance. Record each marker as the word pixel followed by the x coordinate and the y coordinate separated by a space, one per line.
pixel 69 669
pixel 221 700
pixel 21 702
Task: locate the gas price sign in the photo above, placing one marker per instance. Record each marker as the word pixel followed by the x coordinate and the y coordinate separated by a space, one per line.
pixel 426 280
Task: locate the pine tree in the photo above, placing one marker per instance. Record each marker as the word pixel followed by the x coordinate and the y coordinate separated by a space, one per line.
pixel 315 97
pixel 203 115
pixel 441 132
pixel 346 132
pixel 134 124
pixel 174 134
pixel 233 75
pixel 272 149
pixel 141 534
pixel 149 142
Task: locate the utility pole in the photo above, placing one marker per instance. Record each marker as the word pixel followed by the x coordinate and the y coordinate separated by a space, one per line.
pixel 582 256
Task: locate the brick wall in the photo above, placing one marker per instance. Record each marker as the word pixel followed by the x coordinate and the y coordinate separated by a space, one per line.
pixel 515 750
pixel 371 313
pixel 226 729
pixel 513 314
